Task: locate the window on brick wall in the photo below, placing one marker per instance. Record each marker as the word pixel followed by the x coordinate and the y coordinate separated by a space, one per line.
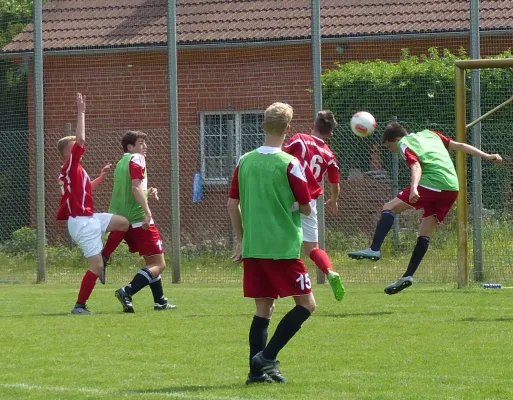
pixel 225 136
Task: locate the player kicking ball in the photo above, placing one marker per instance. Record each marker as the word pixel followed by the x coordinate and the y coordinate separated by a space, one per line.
pixel 130 199
pixel 271 189
pixel 77 208
pixel 313 153
pixel 434 188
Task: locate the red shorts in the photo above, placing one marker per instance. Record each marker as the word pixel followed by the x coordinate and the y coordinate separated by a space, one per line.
pixel 271 279
pixel 147 242
pixel 432 202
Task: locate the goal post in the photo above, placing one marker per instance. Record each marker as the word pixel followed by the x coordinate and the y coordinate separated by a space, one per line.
pixel 461 159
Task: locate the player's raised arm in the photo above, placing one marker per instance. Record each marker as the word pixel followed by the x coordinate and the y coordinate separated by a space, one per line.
pixel 469 149
pixel 81 108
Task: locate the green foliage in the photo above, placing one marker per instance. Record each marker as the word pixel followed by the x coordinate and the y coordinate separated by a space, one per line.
pixel 419 91
pixel 22 242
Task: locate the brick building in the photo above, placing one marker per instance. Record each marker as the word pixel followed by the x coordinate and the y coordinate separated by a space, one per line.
pixel 234 59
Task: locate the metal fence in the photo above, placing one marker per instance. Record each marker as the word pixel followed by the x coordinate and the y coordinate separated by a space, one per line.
pixel 232 60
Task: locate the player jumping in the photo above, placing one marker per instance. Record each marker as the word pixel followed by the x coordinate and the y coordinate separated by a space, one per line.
pixel 77 207
pixel 313 152
pixel 271 189
pixel 434 188
pixel 130 199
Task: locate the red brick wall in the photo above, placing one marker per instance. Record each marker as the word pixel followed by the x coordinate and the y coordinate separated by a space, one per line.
pixel 129 91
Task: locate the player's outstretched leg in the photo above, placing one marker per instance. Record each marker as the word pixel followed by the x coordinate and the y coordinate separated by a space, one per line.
pixel 265 361
pixel 323 262
pixel 385 223
pixel 113 241
pixel 427 226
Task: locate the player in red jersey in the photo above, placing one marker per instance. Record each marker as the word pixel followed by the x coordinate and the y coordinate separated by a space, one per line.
pixel 315 155
pixel 77 207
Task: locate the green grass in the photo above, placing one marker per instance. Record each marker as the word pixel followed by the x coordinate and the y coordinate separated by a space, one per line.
pixel 428 342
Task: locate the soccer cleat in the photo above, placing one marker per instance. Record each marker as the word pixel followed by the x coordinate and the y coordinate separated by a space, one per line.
pixel 400 284
pixel 165 306
pixel 102 272
pixel 255 378
pixel 81 309
pixel 125 300
pixel 269 367
pixel 336 285
pixel 368 254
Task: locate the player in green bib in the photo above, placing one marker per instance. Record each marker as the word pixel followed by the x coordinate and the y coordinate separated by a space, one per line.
pixel 130 199
pixel 269 191
pixel 434 189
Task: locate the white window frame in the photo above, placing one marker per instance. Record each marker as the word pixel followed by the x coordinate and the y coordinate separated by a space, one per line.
pixel 238 141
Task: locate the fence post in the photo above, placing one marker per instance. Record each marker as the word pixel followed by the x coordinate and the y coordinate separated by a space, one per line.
pixel 477 172
pixel 40 140
pixel 395 191
pixel 230 131
pixel 317 106
pixel 173 134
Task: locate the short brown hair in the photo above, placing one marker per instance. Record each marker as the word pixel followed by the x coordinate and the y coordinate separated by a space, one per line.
pixel 131 137
pixel 325 122
pixel 63 143
pixel 393 132
pixel 277 118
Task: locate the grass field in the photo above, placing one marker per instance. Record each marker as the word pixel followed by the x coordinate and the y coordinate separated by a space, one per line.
pixel 428 342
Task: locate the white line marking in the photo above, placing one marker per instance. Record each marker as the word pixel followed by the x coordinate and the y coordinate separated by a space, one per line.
pixel 105 392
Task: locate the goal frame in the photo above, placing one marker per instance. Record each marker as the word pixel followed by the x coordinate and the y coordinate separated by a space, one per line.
pixel 461 158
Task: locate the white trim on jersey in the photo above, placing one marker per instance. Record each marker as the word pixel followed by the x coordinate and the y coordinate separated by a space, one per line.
pixel 138 159
pixel 84 183
pixel 269 150
pixel 297 171
pixel 333 162
pixel 68 179
pixel 404 147
pixel 303 146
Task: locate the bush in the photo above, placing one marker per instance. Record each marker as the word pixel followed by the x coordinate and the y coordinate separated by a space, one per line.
pixel 22 242
pixel 419 91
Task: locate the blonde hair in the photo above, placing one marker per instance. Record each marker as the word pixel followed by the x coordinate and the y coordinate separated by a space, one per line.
pixel 277 118
pixel 63 143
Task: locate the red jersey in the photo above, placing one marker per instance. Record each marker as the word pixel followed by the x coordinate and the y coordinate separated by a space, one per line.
pixel 314 153
pixel 76 187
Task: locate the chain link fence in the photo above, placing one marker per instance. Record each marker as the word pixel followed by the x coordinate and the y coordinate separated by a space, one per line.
pixel 231 66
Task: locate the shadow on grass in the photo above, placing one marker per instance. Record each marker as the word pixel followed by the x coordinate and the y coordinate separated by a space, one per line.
pixel 351 315
pixel 179 389
pixel 473 319
pixel 62 314
pixel 248 315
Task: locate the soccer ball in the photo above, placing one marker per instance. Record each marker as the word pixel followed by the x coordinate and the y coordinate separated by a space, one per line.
pixel 363 124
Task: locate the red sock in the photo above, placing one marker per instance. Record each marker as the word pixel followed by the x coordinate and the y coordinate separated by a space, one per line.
pixel 115 238
pixel 88 282
pixel 322 260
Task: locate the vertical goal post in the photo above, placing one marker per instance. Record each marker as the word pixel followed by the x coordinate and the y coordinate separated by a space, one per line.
pixel 461 160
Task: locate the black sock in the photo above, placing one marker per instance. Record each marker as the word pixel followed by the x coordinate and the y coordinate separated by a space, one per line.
pixel 286 329
pixel 157 290
pixel 418 254
pixel 140 280
pixel 257 336
pixel 385 223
